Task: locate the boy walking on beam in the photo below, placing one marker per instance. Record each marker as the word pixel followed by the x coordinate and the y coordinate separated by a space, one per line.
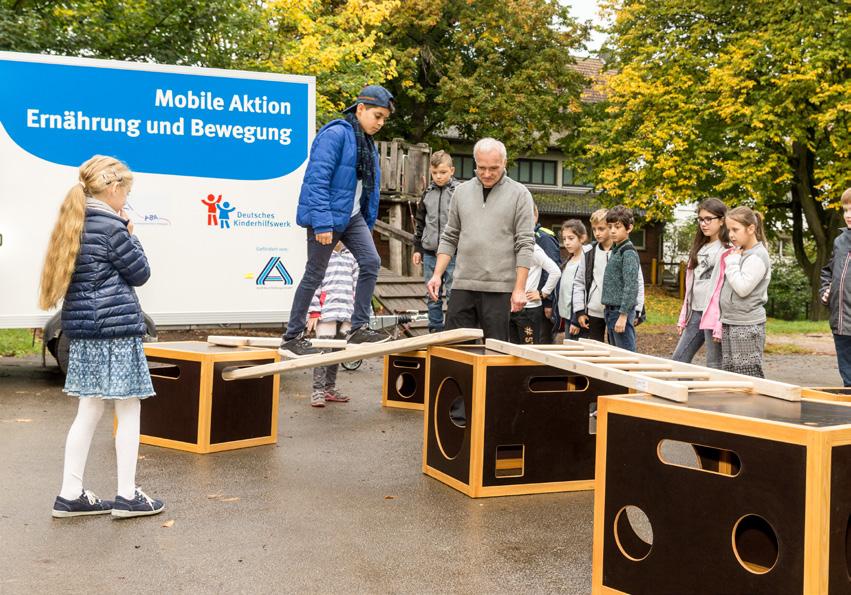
pixel 339 202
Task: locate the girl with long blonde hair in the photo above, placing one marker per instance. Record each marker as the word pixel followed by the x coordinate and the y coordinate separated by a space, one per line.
pixel 92 264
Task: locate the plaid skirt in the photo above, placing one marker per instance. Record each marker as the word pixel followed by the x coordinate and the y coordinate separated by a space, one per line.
pixel 108 369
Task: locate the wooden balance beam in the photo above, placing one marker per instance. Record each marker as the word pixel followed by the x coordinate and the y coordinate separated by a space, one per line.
pixel 271 342
pixel 658 376
pixel 355 353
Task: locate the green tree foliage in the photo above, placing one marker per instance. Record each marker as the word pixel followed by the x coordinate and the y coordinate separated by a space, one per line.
pixel 214 33
pixel 745 100
pixel 502 69
pixel 338 42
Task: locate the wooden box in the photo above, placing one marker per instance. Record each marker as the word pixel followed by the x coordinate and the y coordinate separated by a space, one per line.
pixel 839 394
pixel 196 410
pixel 525 428
pixel 405 380
pixel 727 493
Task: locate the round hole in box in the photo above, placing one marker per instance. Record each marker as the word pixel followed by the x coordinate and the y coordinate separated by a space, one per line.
pixel 449 418
pixel 406 385
pixel 755 544
pixel 633 533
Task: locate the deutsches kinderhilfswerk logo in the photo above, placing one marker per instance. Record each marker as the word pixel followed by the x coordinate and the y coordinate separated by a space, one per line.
pixel 224 214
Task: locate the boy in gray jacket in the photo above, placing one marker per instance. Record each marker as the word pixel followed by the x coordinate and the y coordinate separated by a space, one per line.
pixel 432 213
pixel 490 228
pixel 836 292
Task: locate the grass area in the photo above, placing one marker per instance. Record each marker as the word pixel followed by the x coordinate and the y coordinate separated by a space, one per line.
pixel 18 342
pixel 664 310
pixel 787 349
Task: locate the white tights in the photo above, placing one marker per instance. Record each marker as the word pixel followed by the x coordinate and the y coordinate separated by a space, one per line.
pixel 80 438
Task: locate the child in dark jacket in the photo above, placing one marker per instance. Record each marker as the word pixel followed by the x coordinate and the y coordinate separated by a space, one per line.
pixel 836 292
pixel 93 262
pixel 432 213
pixel 339 202
pixel 620 283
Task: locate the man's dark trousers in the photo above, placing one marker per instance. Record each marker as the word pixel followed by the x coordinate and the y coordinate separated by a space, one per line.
pixel 487 310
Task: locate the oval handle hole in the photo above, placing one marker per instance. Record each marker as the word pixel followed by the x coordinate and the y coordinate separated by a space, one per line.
pixel 558 384
pixel 164 371
pixel 408 364
pixel 699 457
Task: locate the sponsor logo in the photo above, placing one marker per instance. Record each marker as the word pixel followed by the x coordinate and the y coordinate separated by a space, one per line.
pixel 274 272
pixel 223 214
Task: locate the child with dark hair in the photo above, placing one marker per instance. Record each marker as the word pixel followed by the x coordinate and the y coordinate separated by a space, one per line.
pixel 338 202
pixel 573 235
pixel 697 320
pixel 836 292
pixel 620 283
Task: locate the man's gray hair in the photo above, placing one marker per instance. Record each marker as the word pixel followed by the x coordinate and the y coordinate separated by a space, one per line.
pixel 487 145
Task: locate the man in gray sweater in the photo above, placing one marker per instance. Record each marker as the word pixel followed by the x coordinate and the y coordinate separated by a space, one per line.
pixel 491 230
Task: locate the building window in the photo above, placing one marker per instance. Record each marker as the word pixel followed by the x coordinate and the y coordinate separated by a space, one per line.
pixel 571 176
pixel 638 237
pixel 533 171
pixel 465 167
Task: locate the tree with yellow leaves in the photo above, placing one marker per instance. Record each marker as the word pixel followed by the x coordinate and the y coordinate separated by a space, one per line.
pixel 339 43
pixel 745 100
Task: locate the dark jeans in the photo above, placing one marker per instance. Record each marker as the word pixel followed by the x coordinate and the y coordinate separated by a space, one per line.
pixel 843 357
pixel 597 329
pixel 486 310
pixel 435 307
pixel 526 325
pixel 691 340
pixel 626 339
pixel 358 239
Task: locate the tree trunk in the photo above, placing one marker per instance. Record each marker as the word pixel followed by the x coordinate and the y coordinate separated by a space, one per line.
pixel 821 225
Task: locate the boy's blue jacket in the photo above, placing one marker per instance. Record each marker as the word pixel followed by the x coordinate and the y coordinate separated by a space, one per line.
pixel 327 193
pixel 100 302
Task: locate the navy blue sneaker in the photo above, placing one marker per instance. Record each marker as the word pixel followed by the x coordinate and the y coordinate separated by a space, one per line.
pixel 140 505
pixel 86 504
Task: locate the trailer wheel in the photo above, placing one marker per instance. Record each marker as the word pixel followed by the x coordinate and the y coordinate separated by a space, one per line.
pixel 352 366
pixel 63 350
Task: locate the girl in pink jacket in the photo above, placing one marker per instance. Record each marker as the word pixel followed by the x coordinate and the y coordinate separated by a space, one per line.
pixel 700 315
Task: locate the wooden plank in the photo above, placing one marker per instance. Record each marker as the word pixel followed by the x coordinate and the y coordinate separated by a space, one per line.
pixel 676 374
pixel 716 383
pixel 660 388
pixel 355 353
pixel 608 359
pixel 271 342
pixel 642 366
pixel 770 388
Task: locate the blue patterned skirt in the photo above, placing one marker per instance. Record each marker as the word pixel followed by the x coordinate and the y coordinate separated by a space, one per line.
pixel 108 368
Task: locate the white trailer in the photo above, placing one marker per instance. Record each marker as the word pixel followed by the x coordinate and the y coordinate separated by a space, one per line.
pixel 218 158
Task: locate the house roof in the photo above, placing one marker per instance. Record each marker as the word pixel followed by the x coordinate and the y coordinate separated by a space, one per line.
pixel 592 68
pixel 566 201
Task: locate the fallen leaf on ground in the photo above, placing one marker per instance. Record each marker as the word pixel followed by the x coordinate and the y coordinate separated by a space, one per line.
pixel 389 497
pixel 168 523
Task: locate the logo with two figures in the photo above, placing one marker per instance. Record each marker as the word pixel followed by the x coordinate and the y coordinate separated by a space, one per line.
pixel 218 211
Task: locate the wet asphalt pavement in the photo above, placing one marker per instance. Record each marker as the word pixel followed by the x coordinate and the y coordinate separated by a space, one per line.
pixel 338 505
